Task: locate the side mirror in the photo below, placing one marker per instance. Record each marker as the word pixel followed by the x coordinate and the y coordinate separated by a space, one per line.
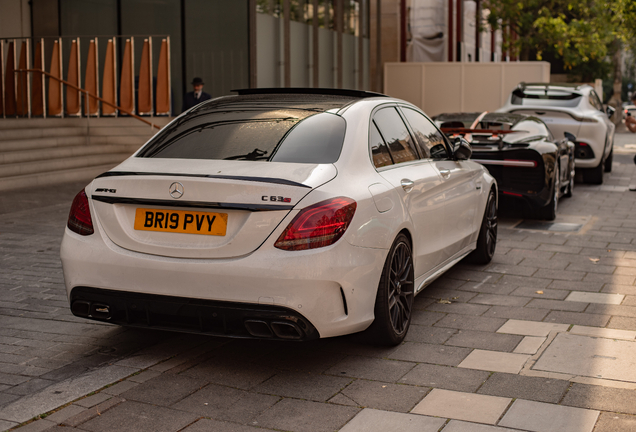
pixel 569 136
pixel 462 149
pixel 610 111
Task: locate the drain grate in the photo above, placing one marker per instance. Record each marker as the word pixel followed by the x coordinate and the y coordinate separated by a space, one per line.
pixel 549 226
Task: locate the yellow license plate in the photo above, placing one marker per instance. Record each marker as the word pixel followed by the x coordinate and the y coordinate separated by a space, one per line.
pixel 179 221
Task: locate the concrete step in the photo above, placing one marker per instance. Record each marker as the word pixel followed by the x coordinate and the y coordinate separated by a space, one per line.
pixel 63 152
pixel 36 144
pixel 40 132
pixel 54 177
pixel 43 166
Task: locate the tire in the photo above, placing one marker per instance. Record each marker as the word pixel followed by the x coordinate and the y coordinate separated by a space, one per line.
pixel 608 161
pixel 594 175
pixel 487 240
pixel 549 211
pixel 394 300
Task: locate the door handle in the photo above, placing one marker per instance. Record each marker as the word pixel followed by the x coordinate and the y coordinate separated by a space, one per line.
pixel 407 185
pixel 445 172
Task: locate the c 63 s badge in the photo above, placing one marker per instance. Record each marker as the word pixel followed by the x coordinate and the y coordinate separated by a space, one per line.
pixel 275 198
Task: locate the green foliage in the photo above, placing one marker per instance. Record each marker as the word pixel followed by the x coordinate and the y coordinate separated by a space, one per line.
pixel 582 33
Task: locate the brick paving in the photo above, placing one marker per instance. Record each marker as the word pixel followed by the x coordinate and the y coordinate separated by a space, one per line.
pixel 468 363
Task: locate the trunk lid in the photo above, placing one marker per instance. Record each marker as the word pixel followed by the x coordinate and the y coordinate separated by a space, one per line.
pixel 218 208
pixel 557 121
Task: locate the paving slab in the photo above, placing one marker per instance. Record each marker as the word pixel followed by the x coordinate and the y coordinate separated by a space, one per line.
pixel 614 422
pixel 603 332
pixel 303 385
pixel 429 353
pixel 164 390
pixel 588 297
pixel 601 398
pixel 542 417
pixel 305 416
pixel 461 426
pixel 428 334
pixel 590 356
pixel 462 406
pixel 495 361
pixel 379 395
pixel 531 328
pixel 133 416
pixel 484 340
pixel 525 387
pixel 529 345
pixel 207 425
pixel 449 378
pixel 371 368
pixel 371 420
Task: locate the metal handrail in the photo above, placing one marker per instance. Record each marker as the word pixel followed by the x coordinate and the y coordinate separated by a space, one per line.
pixel 88 95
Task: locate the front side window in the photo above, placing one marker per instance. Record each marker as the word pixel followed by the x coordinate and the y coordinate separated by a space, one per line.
pixel 429 138
pixel 396 135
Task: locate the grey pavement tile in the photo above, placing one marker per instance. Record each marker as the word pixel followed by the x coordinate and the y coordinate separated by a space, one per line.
pixel 445 283
pixel 384 396
pixel 560 275
pixel 6 425
pixel 458 295
pixel 629 300
pixel 586 319
pixel 630 271
pixel 619 289
pixel 542 417
pixel 516 313
pixel 207 425
pixel 91 401
pixel 154 391
pixel 603 332
pixel 467 322
pixel 518 270
pixel 601 398
pixel 494 361
pixel 428 353
pixel 471 275
pixel 533 254
pixel 144 376
pixel 371 369
pixel 305 416
pixel 487 288
pixel 12 379
pixel 561 305
pixel 458 308
pixel 462 406
pixel 120 388
pixel 500 300
pixel 541 294
pixel 426 318
pixel 576 285
pixel 6 398
pixel 93 412
pixel 594 268
pixel 371 420
pixel 485 340
pixel 31 386
pixel 614 279
pixel 529 345
pixel 449 378
pixel 238 374
pixel 614 310
pixel 522 281
pixel 501 258
pixel 524 387
pixel 461 426
pixel 295 359
pixel 517 244
pixel 427 334
pixel 134 416
pixel 303 385
pixel 226 403
pixel 559 248
pixel 615 422
pixel 65 413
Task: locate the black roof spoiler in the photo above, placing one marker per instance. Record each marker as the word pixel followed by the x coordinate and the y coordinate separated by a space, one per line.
pixel 316 91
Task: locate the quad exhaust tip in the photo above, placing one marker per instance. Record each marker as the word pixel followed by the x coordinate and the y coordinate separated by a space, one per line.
pixel 86 309
pixel 280 329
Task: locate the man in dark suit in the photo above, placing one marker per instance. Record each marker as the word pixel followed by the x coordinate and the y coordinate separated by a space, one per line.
pixel 195 97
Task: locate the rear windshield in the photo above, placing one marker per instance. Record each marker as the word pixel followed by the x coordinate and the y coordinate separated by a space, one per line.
pixel 545 97
pixel 277 135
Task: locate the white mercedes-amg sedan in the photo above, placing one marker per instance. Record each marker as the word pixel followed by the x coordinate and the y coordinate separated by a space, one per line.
pixel 279 214
pixel 576 109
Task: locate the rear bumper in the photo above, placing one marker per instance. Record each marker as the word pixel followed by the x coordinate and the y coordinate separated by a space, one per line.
pixel 239 320
pixel 333 288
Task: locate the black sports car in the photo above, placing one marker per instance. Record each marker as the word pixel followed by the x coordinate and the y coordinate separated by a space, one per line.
pixel 530 165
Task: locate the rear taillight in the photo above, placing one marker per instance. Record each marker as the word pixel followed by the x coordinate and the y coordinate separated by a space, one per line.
pixel 79 219
pixel 318 225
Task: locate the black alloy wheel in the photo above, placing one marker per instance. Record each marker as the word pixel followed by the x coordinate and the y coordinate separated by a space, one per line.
pixel 487 240
pixel 394 299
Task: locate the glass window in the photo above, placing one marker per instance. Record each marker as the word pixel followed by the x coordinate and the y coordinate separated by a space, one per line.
pixel 396 135
pixel 429 138
pixel 545 97
pixel 277 135
pixel 595 101
pixel 379 150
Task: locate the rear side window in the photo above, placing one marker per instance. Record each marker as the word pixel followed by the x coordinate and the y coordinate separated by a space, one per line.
pixel 279 135
pixel 545 97
pixel 379 150
pixel 429 138
pixel 396 135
